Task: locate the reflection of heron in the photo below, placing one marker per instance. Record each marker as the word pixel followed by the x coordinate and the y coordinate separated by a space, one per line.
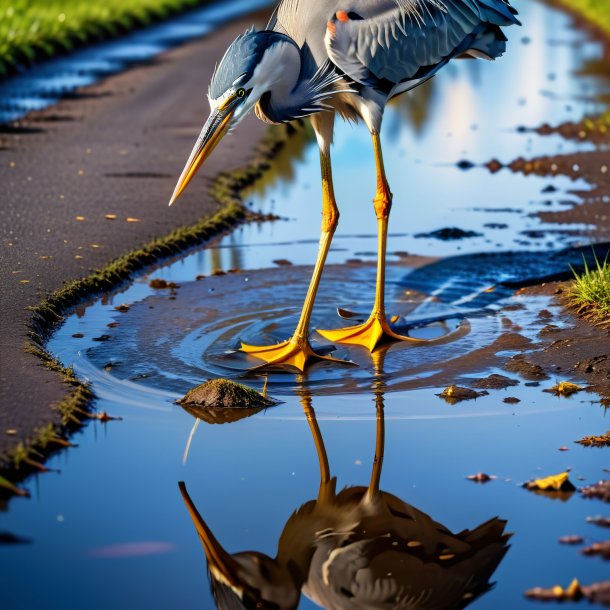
pixel 359 548
pixel 318 57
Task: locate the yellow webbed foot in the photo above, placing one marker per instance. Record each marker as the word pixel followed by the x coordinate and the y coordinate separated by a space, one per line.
pixel 373 333
pixel 296 353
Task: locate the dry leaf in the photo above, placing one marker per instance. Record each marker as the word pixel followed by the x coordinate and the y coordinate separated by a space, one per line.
pixel 110 216
pixel 454 394
pixel 596 441
pixel 123 308
pixel 557 593
pixel 571 540
pixel 556 482
pixel 565 388
pixel 130 219
pixel 79 218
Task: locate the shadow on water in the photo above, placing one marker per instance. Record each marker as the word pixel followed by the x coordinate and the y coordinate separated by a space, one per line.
pixel 360 547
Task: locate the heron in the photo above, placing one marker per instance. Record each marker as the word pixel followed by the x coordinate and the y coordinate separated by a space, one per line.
pixel 320 58
pixel 360 547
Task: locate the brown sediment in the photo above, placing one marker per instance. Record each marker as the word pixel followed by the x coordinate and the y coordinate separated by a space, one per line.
pixel 57 204
pixel 579 349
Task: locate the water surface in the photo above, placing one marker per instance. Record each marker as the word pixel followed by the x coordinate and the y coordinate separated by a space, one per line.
pixel 110 527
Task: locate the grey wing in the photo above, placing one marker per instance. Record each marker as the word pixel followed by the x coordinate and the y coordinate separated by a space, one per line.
pixel 392 42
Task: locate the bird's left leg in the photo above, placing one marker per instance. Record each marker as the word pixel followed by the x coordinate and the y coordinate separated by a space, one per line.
pixel 297 351
pixel 376 330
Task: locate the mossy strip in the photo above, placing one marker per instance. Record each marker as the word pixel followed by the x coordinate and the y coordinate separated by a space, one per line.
pixel 75 408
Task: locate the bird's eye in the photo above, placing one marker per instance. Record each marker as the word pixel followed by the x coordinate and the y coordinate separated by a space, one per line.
pixel 241 93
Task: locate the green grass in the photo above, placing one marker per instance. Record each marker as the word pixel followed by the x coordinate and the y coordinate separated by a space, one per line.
pixel 589 294
pixel 36 29
pixel 595 11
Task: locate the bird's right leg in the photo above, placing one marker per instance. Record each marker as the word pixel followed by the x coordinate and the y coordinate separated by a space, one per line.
pixel 297 351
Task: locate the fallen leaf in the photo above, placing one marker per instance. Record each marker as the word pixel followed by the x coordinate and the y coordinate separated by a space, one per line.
pixel 595 441
pixel 454 394
pixel 574 592
pixel 130 219
pixel 556 482
pixel 511 400
pixel 123 308
pixel 79 218
pixel 24 281
pixel 110 216
pixel 282 262
pixel 571 540
pixel 11 431
pixel 563 448
pixel 565 388
pixel 598 548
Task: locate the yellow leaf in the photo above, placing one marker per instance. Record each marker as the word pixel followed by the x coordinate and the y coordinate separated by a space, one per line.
pixel 556 482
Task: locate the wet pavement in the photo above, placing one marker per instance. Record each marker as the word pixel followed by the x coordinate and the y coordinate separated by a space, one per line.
pixel 113 526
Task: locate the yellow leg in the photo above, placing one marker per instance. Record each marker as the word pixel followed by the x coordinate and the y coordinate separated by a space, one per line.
pixel 376 329
pixel 297 351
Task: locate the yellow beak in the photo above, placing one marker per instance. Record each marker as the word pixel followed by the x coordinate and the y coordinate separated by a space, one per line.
pixel 213 131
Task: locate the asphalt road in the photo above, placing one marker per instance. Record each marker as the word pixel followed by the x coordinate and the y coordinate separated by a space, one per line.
pixel 117 150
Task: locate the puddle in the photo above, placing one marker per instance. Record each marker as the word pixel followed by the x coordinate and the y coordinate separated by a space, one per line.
pixel 46 83
pixel 112 526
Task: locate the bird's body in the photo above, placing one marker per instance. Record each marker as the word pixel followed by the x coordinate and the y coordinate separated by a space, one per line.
pixel 318 58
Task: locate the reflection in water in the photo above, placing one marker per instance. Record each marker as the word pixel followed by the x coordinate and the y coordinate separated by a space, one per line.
pixel 359 548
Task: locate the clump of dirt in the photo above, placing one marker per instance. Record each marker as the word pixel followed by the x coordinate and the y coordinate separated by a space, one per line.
pixel 221 401
pixel 598 548
pixel 225 394
pixel 161 284
pixel 600 491
pixel 494 382
pixel 449 234
pixel 528 370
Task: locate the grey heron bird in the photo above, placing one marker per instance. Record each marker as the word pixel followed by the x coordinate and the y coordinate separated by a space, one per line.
pixel 360 547
pixel 319 58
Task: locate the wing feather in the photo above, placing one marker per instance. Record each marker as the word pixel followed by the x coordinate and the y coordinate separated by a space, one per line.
pixel 399 40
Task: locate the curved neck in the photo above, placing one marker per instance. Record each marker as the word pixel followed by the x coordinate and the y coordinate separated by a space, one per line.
pixel 289 91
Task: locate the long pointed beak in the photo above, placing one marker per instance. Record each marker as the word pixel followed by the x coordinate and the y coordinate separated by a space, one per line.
pixel 213 131
pixel 222 566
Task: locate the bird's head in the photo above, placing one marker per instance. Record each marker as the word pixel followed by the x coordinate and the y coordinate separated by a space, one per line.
pixel 245 580
pixel 252 65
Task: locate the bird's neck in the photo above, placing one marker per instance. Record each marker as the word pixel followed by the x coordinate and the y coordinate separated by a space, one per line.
pixel 277 77
pixel 292 85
